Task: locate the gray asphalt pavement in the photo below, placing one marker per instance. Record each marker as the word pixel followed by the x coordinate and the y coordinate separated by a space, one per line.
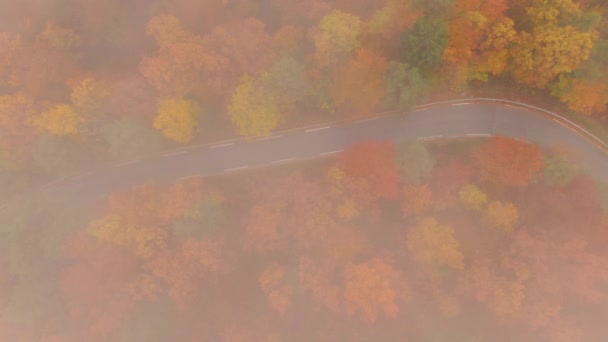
pixel 455 120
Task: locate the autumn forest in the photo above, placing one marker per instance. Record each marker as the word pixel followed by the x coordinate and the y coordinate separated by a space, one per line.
pixel 463 239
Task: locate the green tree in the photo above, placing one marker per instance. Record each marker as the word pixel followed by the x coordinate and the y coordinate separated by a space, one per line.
pixel 57 155
pixel 436 8
pixel 424 43
pixel 130 137
pixel 403 86
pixel 287 79
pixel 558 171
pixel 415 160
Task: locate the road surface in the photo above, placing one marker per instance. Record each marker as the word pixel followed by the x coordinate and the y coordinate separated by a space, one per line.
pixel 448 120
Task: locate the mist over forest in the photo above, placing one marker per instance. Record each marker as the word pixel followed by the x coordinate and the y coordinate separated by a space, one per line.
pixel 303 170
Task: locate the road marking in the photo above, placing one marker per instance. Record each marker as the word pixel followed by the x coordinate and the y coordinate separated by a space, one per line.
pixel 420 110
pixel 282 160
pixel 127 163
pixel 332 152
pixel 365 120
pixel 561 123
pixel 318 129
pixel 461 104
pixel 272 137
pixel 512 106
pixel 431 137
pixel 478 135
pixel 187 177
pixel 236 168
pixel 174 153
pixel 222 145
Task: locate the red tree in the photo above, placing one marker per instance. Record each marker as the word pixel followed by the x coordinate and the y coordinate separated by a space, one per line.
pixel 508 162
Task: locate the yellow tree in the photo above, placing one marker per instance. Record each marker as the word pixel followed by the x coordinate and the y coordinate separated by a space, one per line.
pixel 501 215
pixel 336 35
pixel 90 94
pixel 540 56
pixel 177 119
pixel 554 46
pixel 142 241
pixel 472 197
pixel 166 30
pixel 253 109
pixel 432 243
pixel 61 120
pixel 495 47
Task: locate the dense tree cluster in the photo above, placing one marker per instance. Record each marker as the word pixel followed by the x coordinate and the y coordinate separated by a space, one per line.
pixel 365 245
pixel 402 241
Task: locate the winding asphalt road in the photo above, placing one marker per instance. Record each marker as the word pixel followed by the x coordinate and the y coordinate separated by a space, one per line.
pixel 455 119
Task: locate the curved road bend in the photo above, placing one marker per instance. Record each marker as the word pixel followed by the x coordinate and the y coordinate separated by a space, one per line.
pixel 455 120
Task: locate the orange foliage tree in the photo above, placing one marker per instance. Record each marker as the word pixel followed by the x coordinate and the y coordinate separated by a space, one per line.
pixel 586 97
pixel 359 84
pixel 508 162
pixel 416 199
pixel 95 287
pixel 137 220
pixel 184 268
pixel 373 288
pixel 292 214
pixel 374 162
pixel 236 44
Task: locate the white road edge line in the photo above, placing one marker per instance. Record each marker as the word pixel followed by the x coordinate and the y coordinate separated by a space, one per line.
pixel 222 145
pixel 479 135
pixel 507 105
pixel 236 168
pixel 187 177
pixel 561 123
pixel 272 137
pixel 461 104
pixel 127 163
pixel 318 129
pixel 431 137
pixel 332 152
pixel 365 120
pixel 282 160
pixel 174 153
